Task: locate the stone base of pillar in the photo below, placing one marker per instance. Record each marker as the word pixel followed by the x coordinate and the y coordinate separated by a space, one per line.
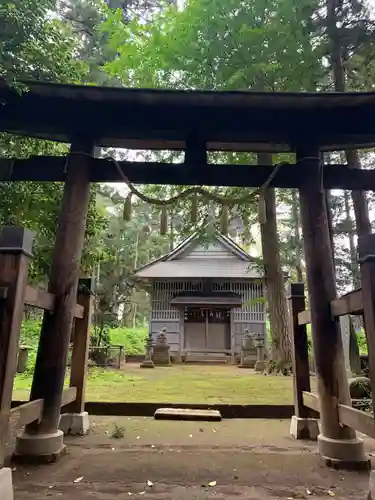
pixel 304 428
pixel 371 488
pixel 160 355
pixel 232 360
pixel 39 448
pixel 147 363
pixel 343 453
pixel 176 358
pixel 75 424
pixel 260 366
pixel 6 485
pixel 247 358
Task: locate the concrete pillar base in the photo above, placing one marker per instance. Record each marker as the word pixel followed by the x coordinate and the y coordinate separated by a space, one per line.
pixel 260 366
pixel 147 364
pixel 343 453
pixel 75 424
pixel 39 448
pixel 304 428
pixel 6 485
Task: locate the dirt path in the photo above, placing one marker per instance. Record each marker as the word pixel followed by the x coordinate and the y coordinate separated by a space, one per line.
pixel 247 459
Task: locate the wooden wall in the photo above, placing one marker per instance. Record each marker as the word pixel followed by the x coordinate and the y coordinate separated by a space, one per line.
pixel 250 316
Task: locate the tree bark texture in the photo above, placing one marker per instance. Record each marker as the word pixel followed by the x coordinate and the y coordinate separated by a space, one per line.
pixel 297 236
pixel 274 279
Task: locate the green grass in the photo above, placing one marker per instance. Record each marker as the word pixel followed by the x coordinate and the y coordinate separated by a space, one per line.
pixel 180 384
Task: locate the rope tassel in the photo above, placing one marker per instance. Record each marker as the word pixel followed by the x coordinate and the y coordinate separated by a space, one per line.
pixel 127 213
pixel 164 221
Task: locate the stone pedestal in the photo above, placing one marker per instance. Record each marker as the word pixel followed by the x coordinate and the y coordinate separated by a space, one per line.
pixel 260 364
pixel 177 358
pixel 247 351
pixel 304 428
pixel 160 355
pixel 39 448
pixel 75 424
pixel 343 453
pixel 147 362
pixel 6 486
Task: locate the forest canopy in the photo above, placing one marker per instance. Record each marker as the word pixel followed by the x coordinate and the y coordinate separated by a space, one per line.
pixel 263 45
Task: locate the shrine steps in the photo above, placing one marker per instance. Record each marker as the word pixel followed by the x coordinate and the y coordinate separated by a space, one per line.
pixel 209 358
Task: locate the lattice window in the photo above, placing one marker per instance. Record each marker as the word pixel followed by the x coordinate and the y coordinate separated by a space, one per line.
pixel 163 293
pixel 252 309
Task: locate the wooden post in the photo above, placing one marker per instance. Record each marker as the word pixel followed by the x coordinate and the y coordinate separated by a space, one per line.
pixel 300 352
pixel 302 426
pixel 81 344
pixel 337 443
pixel 15 252
pixel 366 251
pixel 56 329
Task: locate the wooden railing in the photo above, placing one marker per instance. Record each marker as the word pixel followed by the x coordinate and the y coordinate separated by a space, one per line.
pixel 358 302
pixel 350 303
pixel 29 412
pixel 15 293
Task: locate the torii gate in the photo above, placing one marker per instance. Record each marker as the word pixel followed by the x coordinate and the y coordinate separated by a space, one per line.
pixel 194 122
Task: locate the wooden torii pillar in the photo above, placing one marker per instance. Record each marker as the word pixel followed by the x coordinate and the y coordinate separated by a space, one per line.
pixel 44 439
pixel 337 444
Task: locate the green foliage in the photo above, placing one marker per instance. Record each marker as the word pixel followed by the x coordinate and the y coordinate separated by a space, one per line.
pixel 35 46
pixel 362 342
pixel 30 333
pixel 133 339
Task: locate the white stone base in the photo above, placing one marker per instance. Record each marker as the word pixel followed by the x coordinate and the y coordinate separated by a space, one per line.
pixel 345 453
pixel 75 424
pixel 6 486
pixel 40 445
pixel 304 428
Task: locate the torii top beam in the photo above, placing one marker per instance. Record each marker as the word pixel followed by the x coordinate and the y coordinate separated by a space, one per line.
pixel 168 119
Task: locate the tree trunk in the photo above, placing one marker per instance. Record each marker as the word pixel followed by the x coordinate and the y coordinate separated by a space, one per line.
pixel 354 359
pixel 359 197
pixel 362 218
pixel 353 253
pixel 274 279
pixel 297 236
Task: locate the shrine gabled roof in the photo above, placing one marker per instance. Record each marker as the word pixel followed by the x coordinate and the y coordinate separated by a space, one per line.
pixel 166 119
pixel 232 262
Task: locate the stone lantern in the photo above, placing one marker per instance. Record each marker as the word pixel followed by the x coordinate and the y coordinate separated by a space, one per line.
pixel 247 351
pixel 147 362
